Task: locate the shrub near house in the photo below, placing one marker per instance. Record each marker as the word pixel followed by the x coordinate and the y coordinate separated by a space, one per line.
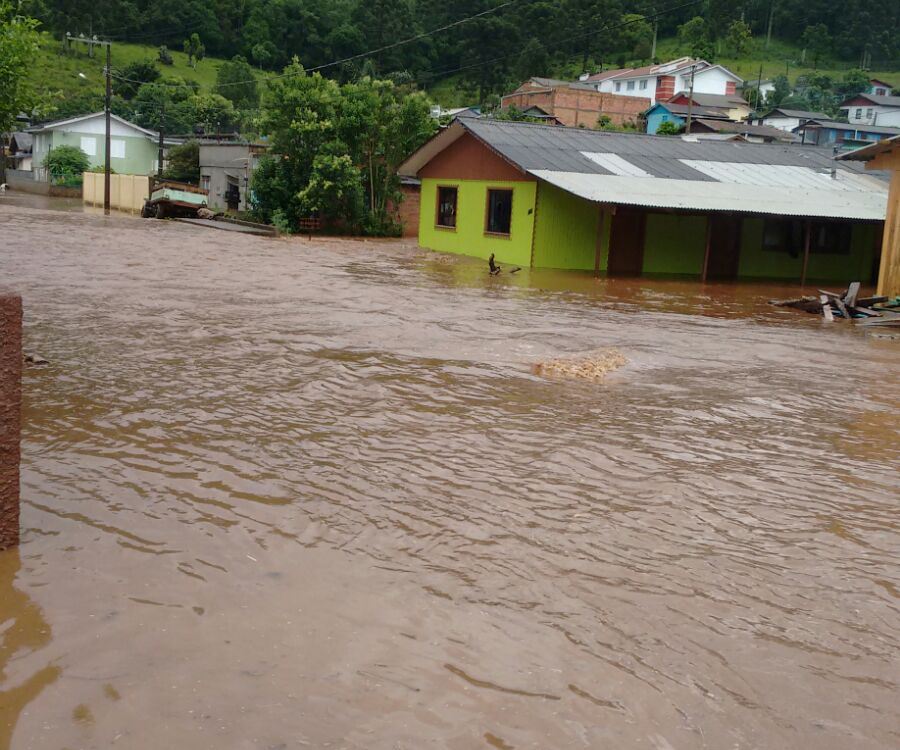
pixel 66 164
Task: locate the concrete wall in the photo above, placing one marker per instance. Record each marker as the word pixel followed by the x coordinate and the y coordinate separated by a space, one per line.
pixel 25 182
pixel 10 415
pixel 469 236
pixel 222 163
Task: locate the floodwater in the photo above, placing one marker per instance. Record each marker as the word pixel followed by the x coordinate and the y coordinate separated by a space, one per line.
pixel 281 494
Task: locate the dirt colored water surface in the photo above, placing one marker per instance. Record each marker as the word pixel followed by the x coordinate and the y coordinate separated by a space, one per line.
pixel 281 494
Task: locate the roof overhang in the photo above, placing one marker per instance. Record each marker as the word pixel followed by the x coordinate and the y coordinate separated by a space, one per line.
pixel 431 148
pixel 863 204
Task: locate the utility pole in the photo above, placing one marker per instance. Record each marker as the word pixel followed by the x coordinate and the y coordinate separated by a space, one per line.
pixel 687 129
pixel 162 125
pixel 758 87
pixel 108 72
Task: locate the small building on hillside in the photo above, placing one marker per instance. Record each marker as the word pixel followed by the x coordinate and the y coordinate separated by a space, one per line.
pixel 677 114
pixel 660 82
pixel 225 171
pixel 750 133
pixel 623 203
pixel 576 104
pixel 870 109
pixel 133 149
pixel 842 135
pixel 879 88
pixel 19 151
pixel 732 106
pixel 787 119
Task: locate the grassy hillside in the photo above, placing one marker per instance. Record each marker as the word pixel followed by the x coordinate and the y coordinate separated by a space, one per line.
pixel 56 71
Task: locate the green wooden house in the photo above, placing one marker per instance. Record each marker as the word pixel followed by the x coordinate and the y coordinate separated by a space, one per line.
pixel 552 197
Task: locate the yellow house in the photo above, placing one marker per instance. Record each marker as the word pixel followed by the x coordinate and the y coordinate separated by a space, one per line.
pixel 885 155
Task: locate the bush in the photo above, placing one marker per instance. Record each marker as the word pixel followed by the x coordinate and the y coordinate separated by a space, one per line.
pixel 668 128
pixel 184 163
pixel 165 57
pixel 66 163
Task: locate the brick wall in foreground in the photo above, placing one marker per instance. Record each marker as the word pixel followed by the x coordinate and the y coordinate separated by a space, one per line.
pixel 10 415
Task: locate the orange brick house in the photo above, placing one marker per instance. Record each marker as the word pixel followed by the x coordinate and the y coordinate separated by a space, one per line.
pixel 575 104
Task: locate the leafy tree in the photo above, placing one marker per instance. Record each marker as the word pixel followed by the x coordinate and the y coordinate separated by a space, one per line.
pixel 668 128
pixel 264 53
pixel 66 162
pixel 817 41
pixel 781 91
pixel 693 36
pixel 18 48
pixel 184 163
pixel 854 82
pixel 236 81
pixel 132 76
pixel 738 37
pixel 635 35
pixel 194 49
pixel 164 56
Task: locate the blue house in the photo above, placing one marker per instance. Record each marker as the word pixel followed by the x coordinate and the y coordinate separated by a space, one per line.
pixel 677 113
pixel 842 135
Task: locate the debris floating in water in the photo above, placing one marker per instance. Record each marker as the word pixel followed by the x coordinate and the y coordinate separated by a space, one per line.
pixel 590 366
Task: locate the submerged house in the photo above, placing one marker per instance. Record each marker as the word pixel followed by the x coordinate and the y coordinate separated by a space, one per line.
pixel 626 203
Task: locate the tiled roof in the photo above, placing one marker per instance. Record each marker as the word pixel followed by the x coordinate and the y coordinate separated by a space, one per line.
pixel 881 101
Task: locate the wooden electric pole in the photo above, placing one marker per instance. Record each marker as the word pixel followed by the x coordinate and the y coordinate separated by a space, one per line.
pixel 108 73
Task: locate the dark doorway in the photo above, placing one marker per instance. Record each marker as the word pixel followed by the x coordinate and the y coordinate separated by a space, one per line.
pixel 626 242
pixel 724 247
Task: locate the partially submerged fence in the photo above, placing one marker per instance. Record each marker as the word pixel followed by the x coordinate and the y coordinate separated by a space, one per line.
pixel 127 192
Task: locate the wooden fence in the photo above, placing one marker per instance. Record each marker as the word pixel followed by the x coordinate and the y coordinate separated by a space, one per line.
pixel 126 191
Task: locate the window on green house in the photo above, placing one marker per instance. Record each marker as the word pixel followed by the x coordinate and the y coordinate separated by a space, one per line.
pixel 446 207
pixel 499 211
pixel 788 236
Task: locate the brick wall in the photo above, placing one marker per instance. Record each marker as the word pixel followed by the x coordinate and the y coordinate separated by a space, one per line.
pixel 10 415
pixel 409 210
pixel 581 107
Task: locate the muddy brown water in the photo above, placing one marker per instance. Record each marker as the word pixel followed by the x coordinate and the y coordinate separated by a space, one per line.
pixel 281 494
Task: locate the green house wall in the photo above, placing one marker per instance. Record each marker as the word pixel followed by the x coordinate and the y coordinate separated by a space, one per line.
pixel 469 236
pixel 564 229
pixel 565 233
pixel 140 153
pixel 756 262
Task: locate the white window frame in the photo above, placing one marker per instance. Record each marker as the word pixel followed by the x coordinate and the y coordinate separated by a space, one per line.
pixel 858 114
pixel 643 84
pixel 618 85
pixel 631 85
pixel 89 145
pixel 116 148
pixel 869 113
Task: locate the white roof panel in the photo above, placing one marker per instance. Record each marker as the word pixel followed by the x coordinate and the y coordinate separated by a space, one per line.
pixel 615 164
pixel 822 201
pixel 779 175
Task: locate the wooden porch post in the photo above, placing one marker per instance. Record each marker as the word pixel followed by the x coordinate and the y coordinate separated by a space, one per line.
pixel 709 220
pixel 806 239
pixel 598 254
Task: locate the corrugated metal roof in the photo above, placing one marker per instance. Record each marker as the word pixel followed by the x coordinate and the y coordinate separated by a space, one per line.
pixel 700 175
pixel 706 196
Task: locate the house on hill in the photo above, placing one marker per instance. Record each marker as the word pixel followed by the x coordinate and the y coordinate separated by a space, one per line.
pixel 677 114
pixel 879 88
pixel 576 104
pixel 622 203
pixel 842 135
pixel 870 109
pixel 133 149
pixel 733 106
pixel 788 119
pixel 661 82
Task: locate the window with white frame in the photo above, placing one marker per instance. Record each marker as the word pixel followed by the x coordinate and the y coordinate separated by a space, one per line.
pixel 618 85
pixel 89 145
pixel 117 149
pixel 631 85
pixel 858 113
pixel 643 84
pixel 869 113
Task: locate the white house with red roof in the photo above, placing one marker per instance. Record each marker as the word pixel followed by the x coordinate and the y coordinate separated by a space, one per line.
pixel 661 82
pixel 879 88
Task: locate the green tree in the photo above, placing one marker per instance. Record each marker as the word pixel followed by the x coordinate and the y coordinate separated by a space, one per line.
pixel 194 49
pixel 816 40
pixel 780 92
pixel 236 81
pixel 693 37
pixel 668 128
pixel 18 49
pixel 635 35
pixel 164 56
pixel 127 82
pixel 66 163
pixel 184 163
pixel 738 37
